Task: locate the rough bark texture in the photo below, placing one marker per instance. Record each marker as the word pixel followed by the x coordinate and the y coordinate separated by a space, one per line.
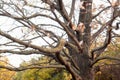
pixel 82 58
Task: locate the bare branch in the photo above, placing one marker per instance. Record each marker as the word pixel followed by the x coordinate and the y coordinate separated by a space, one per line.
pixel 107 41
pixel 63 10
pixel 68 67
pixel 69 32
pixel 31 67
pixel 100 30
pixel 72 9
pixel 103 47
pixel 46 50
pixel 105 57
pixel 115 34
pixel 25 52
pixel 100 12
pixel 26 17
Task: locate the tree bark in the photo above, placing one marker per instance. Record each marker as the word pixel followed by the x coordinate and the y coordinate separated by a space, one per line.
pixel 86 72
pixel 82 59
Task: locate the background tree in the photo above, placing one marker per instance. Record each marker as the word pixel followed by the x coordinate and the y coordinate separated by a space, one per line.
pixel 109 69
pixel 63 30
pixel 4 73
pixel 42 74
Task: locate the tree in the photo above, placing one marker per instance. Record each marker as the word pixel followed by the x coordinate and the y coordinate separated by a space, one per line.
pixel 67 32
pixel 4 73
pixel 42 74
pixel 109 69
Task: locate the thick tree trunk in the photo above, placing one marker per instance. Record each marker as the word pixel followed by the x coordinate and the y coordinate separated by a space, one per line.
pixel 85 70
pixel 84 63
pixel 88 75
pixel 82 59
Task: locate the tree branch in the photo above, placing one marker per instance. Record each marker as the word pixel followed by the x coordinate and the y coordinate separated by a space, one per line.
pixel 68 67
pixel 63 11
pixel 26 17
pixel 105 57
pixel 100 49
pixel 30 67
pixel 107 41
pixel 68 31
pixel 25 52
pixel 100 12
pixel 100 30
pixel 46 50
pixel 115 34
pixel 72 9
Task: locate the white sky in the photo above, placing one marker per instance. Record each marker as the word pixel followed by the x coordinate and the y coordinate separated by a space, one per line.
pixel 15 60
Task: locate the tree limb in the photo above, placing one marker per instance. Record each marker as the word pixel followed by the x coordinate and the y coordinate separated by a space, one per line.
pixel 46 50
pixel 100 12
pixel 68 67
pixel 25 52
pixel 100 30
pixel 70 34
pixel 105 57
pixel 72 9
pixel 30 67
pixel 107 41
pixel 63 10
pixel 100 49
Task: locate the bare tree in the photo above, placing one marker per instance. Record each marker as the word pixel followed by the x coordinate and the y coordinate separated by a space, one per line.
pixel 63 30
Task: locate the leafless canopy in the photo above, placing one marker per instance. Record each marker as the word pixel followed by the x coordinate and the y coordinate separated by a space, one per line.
pixel 59 29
